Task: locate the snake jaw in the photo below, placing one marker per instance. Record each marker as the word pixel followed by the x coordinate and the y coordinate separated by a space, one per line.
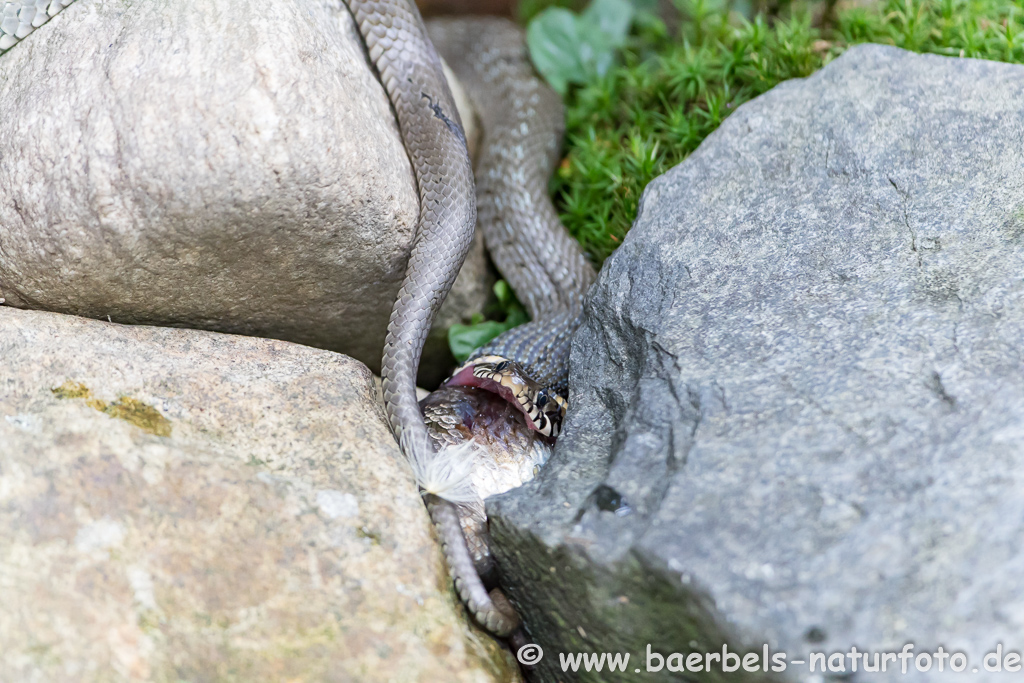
pixel 543 408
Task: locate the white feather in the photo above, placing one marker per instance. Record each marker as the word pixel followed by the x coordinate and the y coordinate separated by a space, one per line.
pixel 446 473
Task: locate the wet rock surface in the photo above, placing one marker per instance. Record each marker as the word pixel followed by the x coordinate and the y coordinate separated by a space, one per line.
pixel 798 391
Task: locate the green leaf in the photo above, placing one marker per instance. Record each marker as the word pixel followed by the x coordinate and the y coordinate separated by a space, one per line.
pixel 567 48
pixel 465 339
pixel 506 297
pixel 516 317
pixel 610 17
pixel 555 45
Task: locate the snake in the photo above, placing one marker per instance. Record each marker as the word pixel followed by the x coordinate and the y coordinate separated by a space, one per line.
pixel 501 410
pixel 494 420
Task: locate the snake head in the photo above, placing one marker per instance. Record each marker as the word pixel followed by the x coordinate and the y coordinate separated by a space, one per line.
pixel 543 409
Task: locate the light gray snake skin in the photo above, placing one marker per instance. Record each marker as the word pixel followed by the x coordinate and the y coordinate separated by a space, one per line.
pixel 20 18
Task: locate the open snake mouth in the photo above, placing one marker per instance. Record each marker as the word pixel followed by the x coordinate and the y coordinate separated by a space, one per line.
pixel 543 409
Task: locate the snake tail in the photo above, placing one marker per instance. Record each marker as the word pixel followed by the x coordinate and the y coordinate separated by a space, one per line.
pixel 497 616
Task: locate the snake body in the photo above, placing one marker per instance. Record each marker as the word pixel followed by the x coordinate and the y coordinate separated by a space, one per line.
pixel 516 386
pixel 411 73
pixel 526 368
pixel 511 395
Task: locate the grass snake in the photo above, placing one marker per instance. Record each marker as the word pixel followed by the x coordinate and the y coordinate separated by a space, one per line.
pixel 500 411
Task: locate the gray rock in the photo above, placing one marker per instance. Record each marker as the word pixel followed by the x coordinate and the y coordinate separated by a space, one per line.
pixel 186 505
pixel 802 373
pixel 233 166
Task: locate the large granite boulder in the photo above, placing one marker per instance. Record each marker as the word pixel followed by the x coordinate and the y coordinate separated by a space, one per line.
pixel 183 505
pixel 232 166
pixel 798 394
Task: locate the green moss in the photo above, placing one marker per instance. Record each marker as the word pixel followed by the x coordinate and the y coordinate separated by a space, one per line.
pixel 71 390
pixel 673 89
pixel 373 536
pixel 142 415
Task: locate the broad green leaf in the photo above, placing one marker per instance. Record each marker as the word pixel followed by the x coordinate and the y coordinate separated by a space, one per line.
pixel 567 48
pixel 554 43
pixel 610 17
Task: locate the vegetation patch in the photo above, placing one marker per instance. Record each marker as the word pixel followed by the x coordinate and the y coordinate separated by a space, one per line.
pixel 142 415
pixel 670 88
pixel 506 312
pixel 71 390
pixel 133 411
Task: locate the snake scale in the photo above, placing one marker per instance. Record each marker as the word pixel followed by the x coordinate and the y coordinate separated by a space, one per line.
pixel 510 397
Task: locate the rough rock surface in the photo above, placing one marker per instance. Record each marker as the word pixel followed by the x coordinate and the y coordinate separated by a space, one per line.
pixel 183 505
pixel 800 386
pixel 234 167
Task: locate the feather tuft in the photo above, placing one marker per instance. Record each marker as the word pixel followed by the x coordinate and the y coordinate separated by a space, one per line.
pixel 446 473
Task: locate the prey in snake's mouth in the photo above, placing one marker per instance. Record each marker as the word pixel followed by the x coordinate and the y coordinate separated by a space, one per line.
pixel 488 447
pixel 543 409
